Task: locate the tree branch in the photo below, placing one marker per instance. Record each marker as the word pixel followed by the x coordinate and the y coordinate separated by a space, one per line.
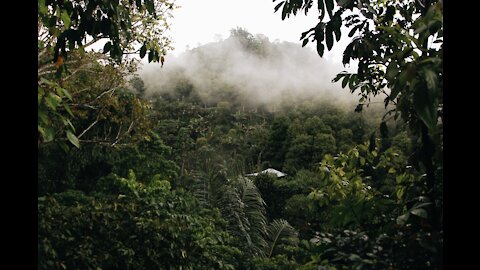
pixel 89 127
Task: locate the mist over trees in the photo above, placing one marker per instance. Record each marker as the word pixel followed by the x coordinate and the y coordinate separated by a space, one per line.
pixel 152 168
pixel 252 69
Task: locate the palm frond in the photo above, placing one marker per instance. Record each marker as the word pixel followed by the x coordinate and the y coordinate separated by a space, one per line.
pixel 209 182
pixel 201 188
pixel 255 212
pixel 244 208
pixel 279 232
pixel 238 199
pixel 233 210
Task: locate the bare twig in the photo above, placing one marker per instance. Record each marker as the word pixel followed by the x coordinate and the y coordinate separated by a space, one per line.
pixel 89 127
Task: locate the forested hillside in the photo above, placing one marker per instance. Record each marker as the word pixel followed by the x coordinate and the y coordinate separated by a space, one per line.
pixel 146 167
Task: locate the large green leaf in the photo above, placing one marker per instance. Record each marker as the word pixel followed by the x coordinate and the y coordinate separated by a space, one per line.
pixel 73 139
pixel 352 81
pixel 284 11
pixel 66 19
pixel 320 48
pixel 329 36
pixel 40 95
pixel 407 74
pixel 52 101
pixel 329 6
pixel 321 8
pixel 421 28
pixel 62 92
pixel 279 5
pixel 425 105
pixel 384 130
pixel 67 122
pixel 390 12
pixel 347 54
pixel 353 30
pixel 67 108
pixel 319 31
pixel 43 115
pixel 337 25
pixel 343 3
pixel 345 80
pixel 143 51
pixel 138 3
pixel 150 6
pixel 431 78
pixel 305 41
pixel 339 76
pixel 392 71
pixel 47 133
pixel 107 47
pixel 42 8
pixel 151 54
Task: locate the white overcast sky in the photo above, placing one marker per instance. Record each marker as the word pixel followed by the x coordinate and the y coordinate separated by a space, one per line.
pixel 202 21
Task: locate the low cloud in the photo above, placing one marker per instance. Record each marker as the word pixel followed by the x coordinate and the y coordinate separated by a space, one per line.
pixel 253 70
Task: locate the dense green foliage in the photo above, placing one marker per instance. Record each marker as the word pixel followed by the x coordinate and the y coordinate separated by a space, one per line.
pixel 158 177
pixel 399 49
pixel 67 64
pixel 126 24
pixel 128 225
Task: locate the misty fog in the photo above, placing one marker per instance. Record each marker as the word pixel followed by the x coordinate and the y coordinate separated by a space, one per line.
pixel 253 69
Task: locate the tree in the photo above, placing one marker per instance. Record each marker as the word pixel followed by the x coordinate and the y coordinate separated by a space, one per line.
pixel 138 85
pixel 253 44
pixel 125 24
pixel 399 49
pixel 276 147
pixel 96 107
pixel 67 29
pixel 129 225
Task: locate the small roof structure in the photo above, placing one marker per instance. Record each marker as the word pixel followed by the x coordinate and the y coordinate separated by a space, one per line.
pixel 277 173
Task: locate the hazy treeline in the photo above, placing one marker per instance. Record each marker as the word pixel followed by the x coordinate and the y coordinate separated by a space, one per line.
pixel 250 69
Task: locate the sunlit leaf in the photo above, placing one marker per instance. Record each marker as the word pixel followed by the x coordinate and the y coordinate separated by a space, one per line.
pixel 66 19
pixel 67 108
pixel 73 139
pixel 42 9
pixel 52 100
